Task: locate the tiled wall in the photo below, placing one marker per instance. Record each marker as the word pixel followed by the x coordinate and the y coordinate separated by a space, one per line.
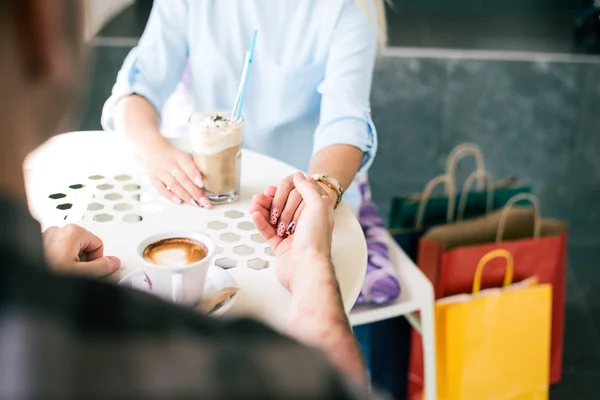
pixel 482 6
pixel 537 119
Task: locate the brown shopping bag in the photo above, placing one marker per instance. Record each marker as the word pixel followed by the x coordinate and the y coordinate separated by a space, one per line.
pixel 494 344
pixel 447 255
pixel 404 209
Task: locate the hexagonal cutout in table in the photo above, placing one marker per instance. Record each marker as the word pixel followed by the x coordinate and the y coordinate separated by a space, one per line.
pixel 123 207
pixel 105 186
pixel 246 226
pixel 216 225
pixel 230 237
pixel 131 187
pixel 113 196
pixel 243 250
pixel 269 252
pixel 257 264
pixel 233 214
pixel 122 178
pixel 77 186
pixel 95 207
pixel 57 196
pixel 103 218
pixel 65 206
pixel 95 177
pixel 257 238
pixel 226 263
pixel 132 218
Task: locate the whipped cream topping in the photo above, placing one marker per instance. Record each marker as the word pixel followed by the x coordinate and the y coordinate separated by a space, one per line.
pixel 213 133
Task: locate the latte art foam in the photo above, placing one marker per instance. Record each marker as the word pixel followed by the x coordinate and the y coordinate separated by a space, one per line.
pixel 175 252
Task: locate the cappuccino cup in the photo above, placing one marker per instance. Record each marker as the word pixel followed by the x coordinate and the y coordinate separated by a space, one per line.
pixel 175 265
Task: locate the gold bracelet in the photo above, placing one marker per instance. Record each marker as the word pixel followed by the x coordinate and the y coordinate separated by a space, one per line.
pixel 333 184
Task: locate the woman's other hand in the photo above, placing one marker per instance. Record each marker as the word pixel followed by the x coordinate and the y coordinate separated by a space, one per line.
pixel 288 205
pixel 175 175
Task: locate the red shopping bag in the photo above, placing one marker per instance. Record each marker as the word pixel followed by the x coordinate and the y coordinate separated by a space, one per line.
pixel 448 254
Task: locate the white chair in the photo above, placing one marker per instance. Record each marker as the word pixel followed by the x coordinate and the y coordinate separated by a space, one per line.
pixel 416 296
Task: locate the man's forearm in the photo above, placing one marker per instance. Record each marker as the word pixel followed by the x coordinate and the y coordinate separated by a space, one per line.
pixel 138 120
pixel 317 318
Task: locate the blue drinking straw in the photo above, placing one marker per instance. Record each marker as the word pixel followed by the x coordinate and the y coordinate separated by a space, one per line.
pixel 239 100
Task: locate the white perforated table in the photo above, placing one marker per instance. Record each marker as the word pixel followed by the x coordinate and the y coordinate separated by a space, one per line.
pixel 94 179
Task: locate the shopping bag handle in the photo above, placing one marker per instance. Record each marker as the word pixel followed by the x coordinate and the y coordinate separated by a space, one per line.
pixel 537 221
pixel 449 184
pixel 498 253
pixel 460 152
pixel 462 204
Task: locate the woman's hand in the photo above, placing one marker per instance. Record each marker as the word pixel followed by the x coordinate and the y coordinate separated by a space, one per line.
pixel 175 175
pixel 288 205
pixel 312 240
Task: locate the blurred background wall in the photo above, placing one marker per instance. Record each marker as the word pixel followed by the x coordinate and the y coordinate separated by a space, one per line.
pixel 100 12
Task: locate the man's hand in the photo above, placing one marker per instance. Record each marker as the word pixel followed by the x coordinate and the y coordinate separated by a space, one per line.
pixel 312 236
pixel 288 204
pixel 316 316
pixel 74 250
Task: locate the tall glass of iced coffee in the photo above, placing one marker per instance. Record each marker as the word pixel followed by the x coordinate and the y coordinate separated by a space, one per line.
pixel 217 150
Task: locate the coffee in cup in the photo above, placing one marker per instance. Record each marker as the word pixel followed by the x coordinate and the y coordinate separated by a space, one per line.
pixel 217 151
pixel 175 265
pixel 175 252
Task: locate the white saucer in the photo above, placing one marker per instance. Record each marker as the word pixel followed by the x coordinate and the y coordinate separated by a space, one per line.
pixel 216 280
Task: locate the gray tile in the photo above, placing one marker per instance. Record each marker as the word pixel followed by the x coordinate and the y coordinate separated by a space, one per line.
pixel 585 267
pixel 406 104
pixel 105 63
pixel 576 386
pixel 583 178
pixel 581 339
pixel 524 115
pixel 540 32
pixel 481 6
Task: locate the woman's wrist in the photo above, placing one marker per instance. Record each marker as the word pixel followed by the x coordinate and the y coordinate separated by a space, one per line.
pixel 154 144
pixel 333 196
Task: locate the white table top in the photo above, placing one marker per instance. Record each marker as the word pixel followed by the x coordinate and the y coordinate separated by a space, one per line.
pixel 99 177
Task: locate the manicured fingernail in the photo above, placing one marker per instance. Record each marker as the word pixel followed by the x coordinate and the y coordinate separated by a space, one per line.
pixel 198 182
pixel 281 229
pixel 195 202
pixel 274 215
pixel 176 200
pixel 290 228
pixel 204 202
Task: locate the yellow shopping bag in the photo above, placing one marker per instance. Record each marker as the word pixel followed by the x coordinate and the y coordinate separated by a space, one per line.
pixel 495 344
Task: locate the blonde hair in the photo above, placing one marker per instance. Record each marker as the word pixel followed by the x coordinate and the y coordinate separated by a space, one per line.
pixel 378 20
